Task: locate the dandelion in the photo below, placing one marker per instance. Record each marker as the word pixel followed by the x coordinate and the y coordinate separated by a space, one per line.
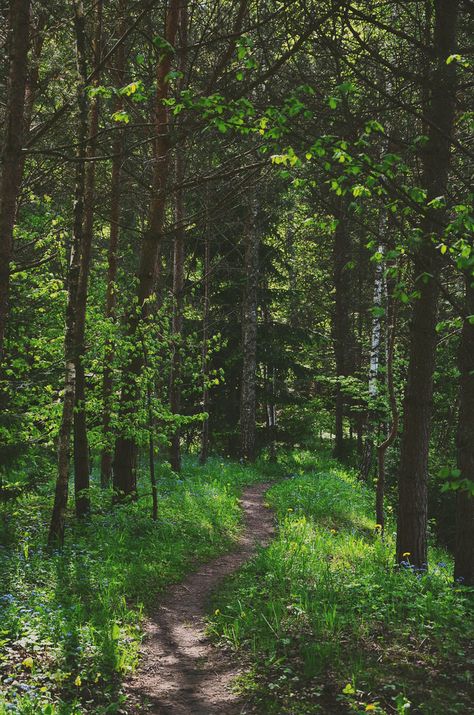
pixel 369 708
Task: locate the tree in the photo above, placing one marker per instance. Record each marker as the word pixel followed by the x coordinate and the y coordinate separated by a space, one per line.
pixel 126 446
pixel 81 446
pixel 413 474
pixel 249 332
pixel 464 550
pixel 12 161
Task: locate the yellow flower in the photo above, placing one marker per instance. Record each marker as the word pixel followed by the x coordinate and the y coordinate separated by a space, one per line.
pixel 406 553
pixel 216 612
pixel 378 526
pixel 333 531
pixel 370 707
pixel 28 662
pixel 78 681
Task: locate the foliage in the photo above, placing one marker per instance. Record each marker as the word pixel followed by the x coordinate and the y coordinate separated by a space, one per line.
pixel 324 606
pixel 70 622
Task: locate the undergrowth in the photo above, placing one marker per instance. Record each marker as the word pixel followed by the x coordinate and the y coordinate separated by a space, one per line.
pixel 70 622
pixel 328 624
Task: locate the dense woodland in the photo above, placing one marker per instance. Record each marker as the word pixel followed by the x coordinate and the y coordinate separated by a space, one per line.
pixel 236 245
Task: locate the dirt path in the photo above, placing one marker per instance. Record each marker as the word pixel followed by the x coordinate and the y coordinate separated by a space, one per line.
pixel 181 672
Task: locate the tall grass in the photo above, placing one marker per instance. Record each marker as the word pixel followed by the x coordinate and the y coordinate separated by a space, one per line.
pixel 327 621
pixel 70 622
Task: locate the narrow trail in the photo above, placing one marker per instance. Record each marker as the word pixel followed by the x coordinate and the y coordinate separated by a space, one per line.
pixel 182 673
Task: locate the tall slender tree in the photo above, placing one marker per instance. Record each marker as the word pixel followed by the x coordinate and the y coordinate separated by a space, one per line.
pixel 58 518
pixel 81 446
pixel 341 318
pixel 248 397
pixel 464 550
pixel 413 473
pixel 178 263
pixel 126 446
pixel 112 257
pixel 11 159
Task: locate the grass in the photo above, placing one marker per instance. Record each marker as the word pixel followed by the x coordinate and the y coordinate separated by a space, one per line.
pixel 70 622
pixel 325 622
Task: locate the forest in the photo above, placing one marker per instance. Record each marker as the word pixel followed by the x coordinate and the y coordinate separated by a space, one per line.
pixel 236 357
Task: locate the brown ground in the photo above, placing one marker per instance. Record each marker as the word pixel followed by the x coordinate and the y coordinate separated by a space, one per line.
pixel 181 672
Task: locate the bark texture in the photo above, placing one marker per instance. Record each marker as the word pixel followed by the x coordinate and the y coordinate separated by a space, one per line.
pixel 248 398
pixel 464 553
pixel 413 473
pixel 58 518
pixel 205 347
pixel 126 447
pixel 341 320
pixel 178 270
pixel 81 446
pixel 12 160
pixel 112 265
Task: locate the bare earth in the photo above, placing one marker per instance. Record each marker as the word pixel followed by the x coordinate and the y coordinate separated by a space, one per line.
pixel 182 673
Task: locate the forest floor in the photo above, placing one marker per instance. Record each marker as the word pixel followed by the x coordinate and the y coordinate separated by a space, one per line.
pixel 181 672
pixel 188 614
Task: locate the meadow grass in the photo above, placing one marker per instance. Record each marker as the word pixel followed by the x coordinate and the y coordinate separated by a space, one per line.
pixel 327 624
pixel 70 622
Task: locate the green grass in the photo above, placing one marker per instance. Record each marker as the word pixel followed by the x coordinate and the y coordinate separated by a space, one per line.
pixel 325 622
pixel 70 622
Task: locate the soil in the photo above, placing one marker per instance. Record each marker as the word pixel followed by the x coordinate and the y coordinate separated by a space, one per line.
pixel 181 672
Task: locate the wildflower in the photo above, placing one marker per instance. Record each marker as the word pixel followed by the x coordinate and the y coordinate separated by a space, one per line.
pixel 378 527
pixel 333 531
pixel 406 553
pixel 216 612
pixel 78 681
pixel 369 708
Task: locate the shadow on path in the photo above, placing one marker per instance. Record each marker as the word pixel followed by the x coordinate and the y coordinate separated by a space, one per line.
pixel 181 672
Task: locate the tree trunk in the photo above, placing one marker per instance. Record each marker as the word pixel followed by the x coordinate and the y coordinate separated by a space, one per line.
pixel 393 430
pixel 177 319
pixel 12 160
pixel 126 447
pixel 413 474
pixel 249 336
pixel 58 519
pixel 178 268
pixel 112 265
pixel 81 446
pixel 205 347
pixel 341 325
pixel 464 551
